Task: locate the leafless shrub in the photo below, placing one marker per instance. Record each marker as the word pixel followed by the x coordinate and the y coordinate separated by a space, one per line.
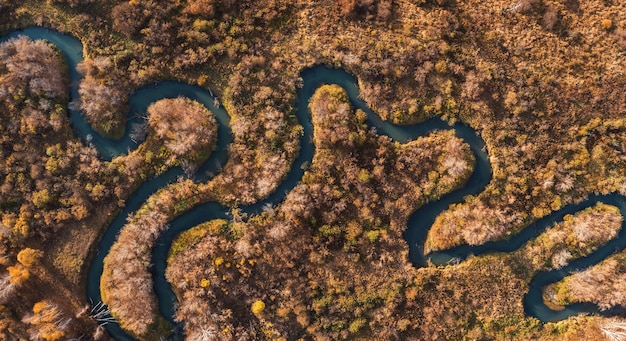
pixel 614 330
pixel 138 131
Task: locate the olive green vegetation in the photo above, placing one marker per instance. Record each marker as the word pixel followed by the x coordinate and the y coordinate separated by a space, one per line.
pixel 192 236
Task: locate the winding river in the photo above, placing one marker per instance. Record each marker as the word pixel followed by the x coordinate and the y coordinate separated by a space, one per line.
pixel 419 222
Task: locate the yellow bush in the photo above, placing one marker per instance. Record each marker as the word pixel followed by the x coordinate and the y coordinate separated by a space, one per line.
pixel 29 257
pixel 39 306
pixel 19 274
pixel 607 24
pixel 258 307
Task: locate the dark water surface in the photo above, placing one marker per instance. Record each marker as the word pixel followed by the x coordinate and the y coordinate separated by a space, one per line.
pixel 419 222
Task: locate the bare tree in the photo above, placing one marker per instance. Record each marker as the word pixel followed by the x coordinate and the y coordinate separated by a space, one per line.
pixel 189 167
pixel 614 330
pixel 139 131
pixel 7 290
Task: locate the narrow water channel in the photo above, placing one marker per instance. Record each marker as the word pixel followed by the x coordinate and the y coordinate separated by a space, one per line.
pixel 419 222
